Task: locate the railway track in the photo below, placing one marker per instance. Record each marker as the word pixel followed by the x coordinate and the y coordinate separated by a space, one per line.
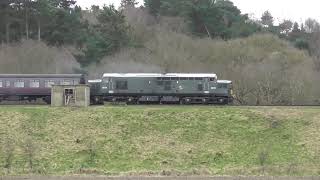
pixel 40 102
pixel 159 178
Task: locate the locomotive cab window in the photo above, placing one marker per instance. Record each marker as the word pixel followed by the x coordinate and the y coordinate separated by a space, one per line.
pixel 34 83
pixel 222 86
pixel 212 79
pixel 19 84
pixel 122 85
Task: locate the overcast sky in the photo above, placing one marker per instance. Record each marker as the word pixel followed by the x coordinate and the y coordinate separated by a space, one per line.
pixel 280 9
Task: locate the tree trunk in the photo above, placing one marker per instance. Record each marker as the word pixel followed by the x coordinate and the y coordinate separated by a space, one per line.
pixel 208 32
pixel 27 30
pixel 8 32
pixel 39 30
pixel 27 20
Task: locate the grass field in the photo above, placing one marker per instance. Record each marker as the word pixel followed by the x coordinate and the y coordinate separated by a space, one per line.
pixel 160 140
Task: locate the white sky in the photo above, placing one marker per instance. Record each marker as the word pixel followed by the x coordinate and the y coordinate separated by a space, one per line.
pixel 280 9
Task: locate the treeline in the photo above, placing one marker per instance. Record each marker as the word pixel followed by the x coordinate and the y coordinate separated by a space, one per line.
pixel 221 19
pixel 62 22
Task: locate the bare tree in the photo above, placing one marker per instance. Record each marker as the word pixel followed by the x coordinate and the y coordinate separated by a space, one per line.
pixel 312 25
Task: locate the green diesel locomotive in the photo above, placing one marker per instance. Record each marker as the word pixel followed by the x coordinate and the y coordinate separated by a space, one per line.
pixel 135 88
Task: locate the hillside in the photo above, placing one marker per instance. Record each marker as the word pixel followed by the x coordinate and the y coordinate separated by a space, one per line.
pixel 160 140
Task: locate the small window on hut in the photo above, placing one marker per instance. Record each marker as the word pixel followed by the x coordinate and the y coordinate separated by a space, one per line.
pixel 121 85
pixel 34 83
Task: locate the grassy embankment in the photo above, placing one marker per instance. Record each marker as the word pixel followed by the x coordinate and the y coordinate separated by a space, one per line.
pixel 160 140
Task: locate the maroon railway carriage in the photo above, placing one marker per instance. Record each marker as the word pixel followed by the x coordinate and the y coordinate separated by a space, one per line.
pixel 17 87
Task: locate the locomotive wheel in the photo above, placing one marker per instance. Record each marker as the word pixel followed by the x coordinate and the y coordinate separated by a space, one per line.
pixel 204 101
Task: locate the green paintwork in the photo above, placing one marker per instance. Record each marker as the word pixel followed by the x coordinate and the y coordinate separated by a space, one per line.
pixel 152 85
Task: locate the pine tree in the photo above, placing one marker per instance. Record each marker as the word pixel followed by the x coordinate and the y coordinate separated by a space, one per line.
pixel 267 19
pixel 128 3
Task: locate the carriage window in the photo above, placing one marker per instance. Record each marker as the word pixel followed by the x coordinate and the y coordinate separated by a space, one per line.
pixel 191 78
pixel 166 79
pixel 159 78
pixel 183 78
pixel 19 84
pixel 198 79
pixel 34 83
pixel 65 82
pixel 174 78
pixel 1 84
pixel 8 84
pixel 48 83
pixel 122 85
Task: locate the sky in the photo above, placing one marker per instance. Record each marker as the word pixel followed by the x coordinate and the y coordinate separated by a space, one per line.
pixel 280 9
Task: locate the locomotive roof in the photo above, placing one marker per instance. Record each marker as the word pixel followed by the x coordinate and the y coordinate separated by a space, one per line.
pixel 40 75
pixel 158 75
